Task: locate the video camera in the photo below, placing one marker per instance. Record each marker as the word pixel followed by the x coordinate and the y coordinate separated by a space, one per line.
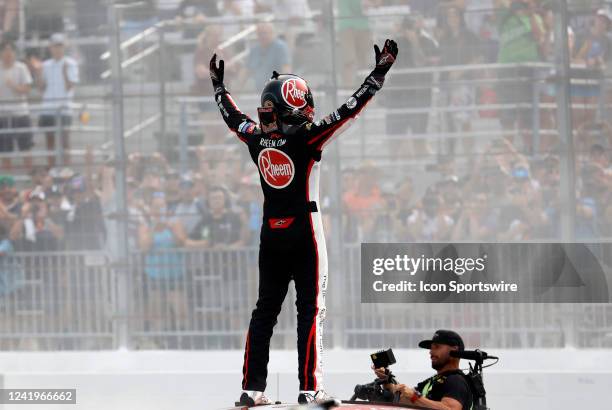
pixel 375 391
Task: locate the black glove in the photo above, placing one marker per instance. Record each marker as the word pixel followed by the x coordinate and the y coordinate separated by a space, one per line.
pixel 216 72
pixel 385 58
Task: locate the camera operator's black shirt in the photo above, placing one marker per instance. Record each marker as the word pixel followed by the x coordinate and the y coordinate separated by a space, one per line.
pixel 448 384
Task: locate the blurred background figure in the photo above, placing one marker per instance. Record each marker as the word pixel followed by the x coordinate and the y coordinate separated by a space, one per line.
pixel 269 54
pixel 419 49
pixel 159 236
pixel 521 35
pixel 57 78
pixel 15 85
pixel 356 38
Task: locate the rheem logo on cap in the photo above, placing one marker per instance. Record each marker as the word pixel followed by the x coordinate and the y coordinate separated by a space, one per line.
pixel 276 167
pixel 294 92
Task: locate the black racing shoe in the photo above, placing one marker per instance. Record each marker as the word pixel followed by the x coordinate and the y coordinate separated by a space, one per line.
pixel 256 398
pixel 318 397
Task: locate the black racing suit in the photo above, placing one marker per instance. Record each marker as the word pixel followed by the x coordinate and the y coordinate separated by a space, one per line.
pixel 292 244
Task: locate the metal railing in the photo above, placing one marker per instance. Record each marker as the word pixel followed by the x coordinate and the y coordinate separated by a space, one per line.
pixel 56 301
pixel 202 299
pixel 542 76
pixel 59 111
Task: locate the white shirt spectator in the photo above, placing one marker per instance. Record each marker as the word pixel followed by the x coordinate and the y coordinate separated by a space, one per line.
pixel 13 103
pixel 57 94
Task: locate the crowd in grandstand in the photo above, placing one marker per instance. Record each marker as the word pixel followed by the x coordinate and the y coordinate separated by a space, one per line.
pixel 510 193
pixel 504 188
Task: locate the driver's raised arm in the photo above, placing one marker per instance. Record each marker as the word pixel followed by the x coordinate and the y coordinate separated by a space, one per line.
pixel 321 132
pixel 238 122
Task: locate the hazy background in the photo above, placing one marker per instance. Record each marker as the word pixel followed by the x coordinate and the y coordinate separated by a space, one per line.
pixel 139 234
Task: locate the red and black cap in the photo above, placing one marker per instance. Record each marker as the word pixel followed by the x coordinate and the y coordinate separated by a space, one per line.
pixel 443 337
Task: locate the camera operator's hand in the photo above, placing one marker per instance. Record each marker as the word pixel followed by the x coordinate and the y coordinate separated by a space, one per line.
pixel 216 72
pixel 406 392
pixel 381 373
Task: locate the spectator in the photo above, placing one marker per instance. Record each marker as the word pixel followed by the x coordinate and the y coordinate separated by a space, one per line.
pixel 595 49
pixel 404 205
pixel 594 194
pixel 9 18
pixel 40 176
pixel 15 85
pixel 523 215
pixel 7 218
pixel 220 226
pixel 419 48
pixel 384 226
pixel 451 190
pixel 85 229
pixel 35 231
pixel 597 174
pixel 521 35
pixel 195 12
pixel 172 189
pixel 292 16
pixel 477 14
pixel 230 170
pixel 363 202
pixel 546 173
pixel 137 19
pixel 207 43
pixel 477 221
pixel 355 37
pixel 429 222
pixel 9 197
pixel 159 237
pixel 269 54
pixel 594 52
pixel 109 205
pixel 91 21
pixel 188 208
pixel 458 47
pixel 12 276
pixel 250 203
pixel 57 79
pixel 160 231
pixel 57 210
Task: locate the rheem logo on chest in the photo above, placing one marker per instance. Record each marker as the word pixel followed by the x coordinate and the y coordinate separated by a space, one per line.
pixel 275 167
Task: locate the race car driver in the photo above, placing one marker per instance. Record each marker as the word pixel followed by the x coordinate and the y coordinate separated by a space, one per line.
pixel 286 145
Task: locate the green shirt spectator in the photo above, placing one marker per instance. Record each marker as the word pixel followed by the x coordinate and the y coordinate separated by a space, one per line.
pixel 350 15
pixel 519 30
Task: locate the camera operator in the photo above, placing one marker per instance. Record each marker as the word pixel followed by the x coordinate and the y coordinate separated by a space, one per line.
pixel 446 390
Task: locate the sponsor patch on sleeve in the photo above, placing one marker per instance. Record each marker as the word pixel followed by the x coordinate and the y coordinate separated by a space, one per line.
pixel 246 127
